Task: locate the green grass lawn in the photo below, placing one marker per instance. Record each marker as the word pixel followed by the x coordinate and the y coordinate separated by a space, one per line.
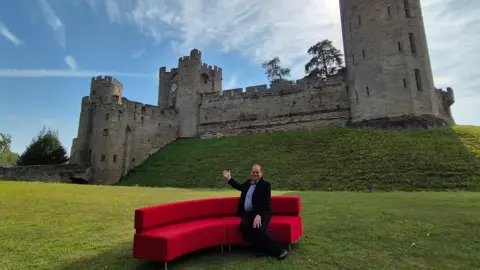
pixel 335 159
pixel 62 226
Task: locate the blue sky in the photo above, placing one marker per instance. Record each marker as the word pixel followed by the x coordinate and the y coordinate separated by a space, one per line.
pixel 50 49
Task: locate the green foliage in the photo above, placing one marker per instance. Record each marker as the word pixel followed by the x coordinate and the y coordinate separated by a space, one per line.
pixel 46 148
pixel 275 72
pixel 334 159
pixel 64 226
pixel 7 157
pixel 326 60
pixel 5 142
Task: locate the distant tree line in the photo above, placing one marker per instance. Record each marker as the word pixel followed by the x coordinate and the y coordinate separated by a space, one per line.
pixel 44 149
pixel 325 60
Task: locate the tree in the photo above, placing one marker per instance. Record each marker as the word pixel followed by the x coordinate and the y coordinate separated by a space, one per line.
pixel 7 158
pixel 46 148
pixel 5 142
pixel 326 60
pixel 274 71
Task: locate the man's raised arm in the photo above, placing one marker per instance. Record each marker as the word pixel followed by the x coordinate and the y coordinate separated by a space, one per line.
pixel 232 181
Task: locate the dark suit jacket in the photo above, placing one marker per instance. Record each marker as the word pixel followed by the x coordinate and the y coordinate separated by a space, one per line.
pixel 261 198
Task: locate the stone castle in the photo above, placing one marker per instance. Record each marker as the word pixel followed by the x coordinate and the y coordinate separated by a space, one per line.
pixel 387 83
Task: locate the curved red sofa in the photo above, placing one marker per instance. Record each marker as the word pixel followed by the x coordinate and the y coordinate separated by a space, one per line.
pixel 165 232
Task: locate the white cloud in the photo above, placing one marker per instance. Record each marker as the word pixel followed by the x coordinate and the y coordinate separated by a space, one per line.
pixel 232 83
pixel 37 73
pixel 452 27
pixel 70 61
pixel 54 22
pixel 9 35
pixel 113 10
pixel 260 30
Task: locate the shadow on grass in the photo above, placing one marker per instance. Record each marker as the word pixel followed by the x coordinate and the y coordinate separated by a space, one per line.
pixel 208 258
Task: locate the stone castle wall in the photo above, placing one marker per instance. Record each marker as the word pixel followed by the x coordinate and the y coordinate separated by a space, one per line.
pixel 43 173
pixel 123 134
pixel 305 104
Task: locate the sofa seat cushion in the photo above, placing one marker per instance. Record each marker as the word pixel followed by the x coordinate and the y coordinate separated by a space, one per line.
pixel 284 229
pixel 168 242
pixel 232 224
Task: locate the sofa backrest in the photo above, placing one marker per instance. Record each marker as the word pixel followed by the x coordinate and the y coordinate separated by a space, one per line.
pixel 281 205
pixel 286 205
pixel 228 206
pixel 157 215
pixel 164 214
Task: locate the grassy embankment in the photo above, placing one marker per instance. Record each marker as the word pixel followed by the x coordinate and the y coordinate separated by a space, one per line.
pixel 337 159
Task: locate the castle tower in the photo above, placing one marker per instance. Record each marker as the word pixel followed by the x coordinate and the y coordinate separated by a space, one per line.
pixel 105 88
pixel 166 97
pixel 100 129
pixel 187 94
pixel 388 66
pixel 107 139
pixel 182 88
pixel 81 144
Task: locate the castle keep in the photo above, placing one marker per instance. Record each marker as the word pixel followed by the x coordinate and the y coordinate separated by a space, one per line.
pixel 387 83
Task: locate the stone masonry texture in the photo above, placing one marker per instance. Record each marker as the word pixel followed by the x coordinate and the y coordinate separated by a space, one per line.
pixel 387 83
pixel 58 173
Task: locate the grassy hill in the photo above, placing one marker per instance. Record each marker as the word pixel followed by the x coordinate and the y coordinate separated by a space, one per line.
pixel 336 159
pixel 65 226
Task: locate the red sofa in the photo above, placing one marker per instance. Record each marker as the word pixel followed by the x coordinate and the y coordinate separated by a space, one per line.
pixel 165 232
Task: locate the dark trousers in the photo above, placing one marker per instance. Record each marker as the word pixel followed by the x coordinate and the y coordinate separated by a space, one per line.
pixel 259 238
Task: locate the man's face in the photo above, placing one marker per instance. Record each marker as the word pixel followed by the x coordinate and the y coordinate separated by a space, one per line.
pixel 256 172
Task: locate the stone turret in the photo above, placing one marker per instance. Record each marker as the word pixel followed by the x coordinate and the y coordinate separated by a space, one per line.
pixel 79 153
pixel 102 88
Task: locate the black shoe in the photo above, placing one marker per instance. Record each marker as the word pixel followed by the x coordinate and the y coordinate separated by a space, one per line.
pixel 283 254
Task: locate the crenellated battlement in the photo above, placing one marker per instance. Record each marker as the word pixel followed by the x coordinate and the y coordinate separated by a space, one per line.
pixel 164 72
pixel 183 59
pixel 107 79
pixel 119 103
pixel 194 55
pixel 283 88
pixel 446 95
pixel 104 87
pixel 211 71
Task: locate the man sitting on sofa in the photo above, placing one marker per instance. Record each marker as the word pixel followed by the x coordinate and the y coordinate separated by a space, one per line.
pixel 256 211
